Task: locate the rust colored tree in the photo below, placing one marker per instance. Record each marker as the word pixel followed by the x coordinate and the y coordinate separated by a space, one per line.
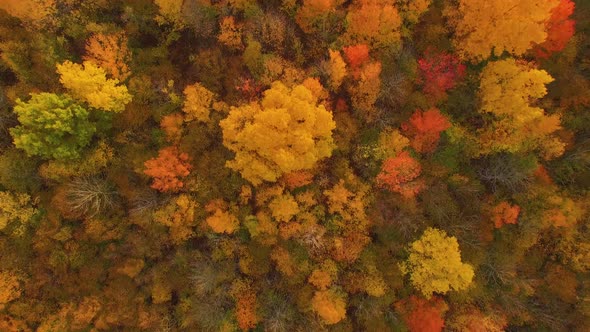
pixel 424 129
pixel 399 175
pixel 422 315
pixel 167 169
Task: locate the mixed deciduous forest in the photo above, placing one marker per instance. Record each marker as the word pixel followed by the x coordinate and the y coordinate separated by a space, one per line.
pixel 295 165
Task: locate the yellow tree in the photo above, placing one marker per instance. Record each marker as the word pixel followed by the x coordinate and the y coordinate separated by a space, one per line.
pixel 110 52
pixel 434 264
pixel 197 103
pixel 15 207
pixel 287 131
pixel 88 83
pixel 507 89
pixel 336 69
pixel 483 27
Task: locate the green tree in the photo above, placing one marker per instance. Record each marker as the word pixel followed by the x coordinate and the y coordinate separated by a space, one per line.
pixel 52 126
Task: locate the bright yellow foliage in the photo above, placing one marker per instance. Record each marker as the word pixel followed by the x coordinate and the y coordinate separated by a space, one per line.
pixel 434 264
pixel 329 305
pixel 283 133
pixel 284 207
pixel 15 207
pixel 9 287
pixel 336 70
pixel 197 103
pixel 483 27
pixel 223 222
pixel 507 89
pixel 110 53
pixel 89 83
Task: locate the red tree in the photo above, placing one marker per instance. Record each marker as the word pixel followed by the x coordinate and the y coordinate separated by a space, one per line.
pixel 398 175
pixel 422 315
pixel 559 30
pixel 356 56
pixel 439 73
pixel 167 168
pixel 424 129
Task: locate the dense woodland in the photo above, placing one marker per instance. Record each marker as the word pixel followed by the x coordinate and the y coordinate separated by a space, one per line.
pixel 295 165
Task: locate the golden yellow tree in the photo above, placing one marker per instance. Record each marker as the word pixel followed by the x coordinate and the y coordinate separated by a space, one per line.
pixel 483 27
pixel 434 264
pixel 336 70
pixel 88 83
pixel 109 52
pixel 287 131
pixel 197 103
pixel 507 89
pixel 9 287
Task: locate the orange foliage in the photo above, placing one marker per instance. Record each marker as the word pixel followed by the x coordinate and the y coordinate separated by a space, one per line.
pixel 167 168
pixel 398 174
pixel 504 213
pixel 375 22
pixel 246 311
pixel 297 179
pixel 422 315
pixel 9 287
pixel 223 222
pixel 330 305
pixel 356 55
pixel 231 33
pixel 172 126
pixel 542 175
pixel 312 12
pixel 349 248
pixel 559 29
pixel 365 91
pixel 424 128
pixel 320 279
pixel 109 52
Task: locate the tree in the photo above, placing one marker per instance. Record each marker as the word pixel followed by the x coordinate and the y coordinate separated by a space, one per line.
pixel 507 89
pixel 36 12
pixel 365 90
pixel 9 287
pixel 167 169
pixel 88 83
pixel 109 52
pixel 197 103
pixel 356 55
pixel 504 213
pixel 434 264
pixel 439 73
pixel 485 27
pixel 398 174
pixel 373 22
pixel 560 28
pixel 15 208
pixel 222 221
pixel 231 33
pixel 336 70
pixel 283 133
pixel 424 129
pixel 330 305
pixel 422 315
pixel 313 14
pixel 89 196
pixel 52 126
pixel 179 217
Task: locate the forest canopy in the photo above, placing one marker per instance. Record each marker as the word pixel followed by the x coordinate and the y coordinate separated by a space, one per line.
pixel 294 165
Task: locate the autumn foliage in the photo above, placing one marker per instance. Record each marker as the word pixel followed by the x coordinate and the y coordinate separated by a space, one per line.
pixel 504 213
pixel 424 129
pixel 110 52
pixel 560 28
pixel 422 315
pixel 167 169
pixel 398 174
pixel 440 73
